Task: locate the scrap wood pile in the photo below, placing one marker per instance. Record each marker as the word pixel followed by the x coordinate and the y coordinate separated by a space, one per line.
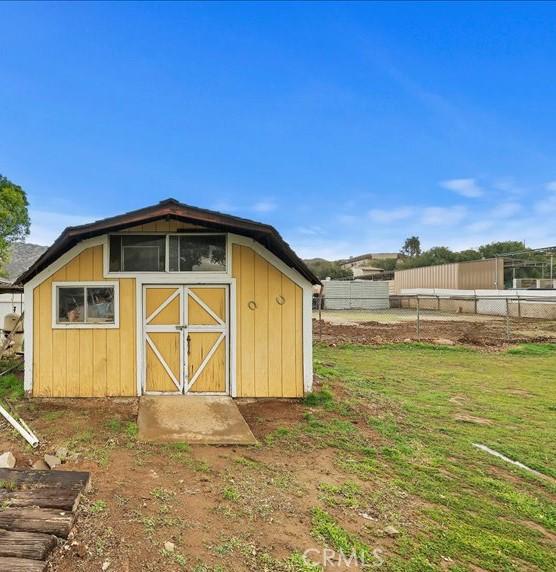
pixel 36 509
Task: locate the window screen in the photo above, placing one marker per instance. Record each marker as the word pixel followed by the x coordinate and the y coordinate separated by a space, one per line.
pixel 85 305
pixel 202 253
pixel 138 253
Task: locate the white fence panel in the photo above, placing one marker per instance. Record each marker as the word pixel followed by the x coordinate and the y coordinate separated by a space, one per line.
pixel 356 295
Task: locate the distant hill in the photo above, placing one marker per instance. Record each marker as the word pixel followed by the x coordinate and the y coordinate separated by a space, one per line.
pixel 22 255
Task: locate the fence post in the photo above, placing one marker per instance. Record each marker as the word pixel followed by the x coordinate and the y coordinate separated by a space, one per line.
pixel 518 307
pixel 418 320
pixel 508 330
pixel 320 316
pixel 475 295
pixel 438 303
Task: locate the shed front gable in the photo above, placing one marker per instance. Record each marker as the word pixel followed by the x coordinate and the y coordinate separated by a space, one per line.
pixel 95 362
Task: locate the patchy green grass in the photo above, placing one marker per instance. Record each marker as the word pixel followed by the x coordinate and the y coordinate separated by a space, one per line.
pixel 533 350
pixel 181 453
pixel 326 529
pixel 414 412
pixel 11 387
pixel 53 415
pixel 8 485
pixel 318 398
pixel 230 494
pixel 98 507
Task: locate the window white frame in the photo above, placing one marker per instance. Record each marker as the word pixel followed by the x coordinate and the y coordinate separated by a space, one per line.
pixel 85 325
pixel 133 273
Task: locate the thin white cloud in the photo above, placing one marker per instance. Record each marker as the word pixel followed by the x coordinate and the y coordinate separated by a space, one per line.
pixel 224 207
pixel 46 226
pixel 442 216
pixel 480 226
pixel 347 219
pixel 506 210
pixel 464 187
pixel 310 230
pixel 265 206
pixel 389 216
pixel 546 205
pixel 551 186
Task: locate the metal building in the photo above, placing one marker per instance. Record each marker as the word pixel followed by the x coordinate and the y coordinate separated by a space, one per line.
pixel 475 274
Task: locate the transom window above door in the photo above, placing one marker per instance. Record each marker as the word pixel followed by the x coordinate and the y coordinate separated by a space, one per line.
pixel 167 253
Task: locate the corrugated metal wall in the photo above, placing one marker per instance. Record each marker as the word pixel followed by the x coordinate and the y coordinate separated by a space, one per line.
pixel 481 274
pixel 484 274
pixel 352 295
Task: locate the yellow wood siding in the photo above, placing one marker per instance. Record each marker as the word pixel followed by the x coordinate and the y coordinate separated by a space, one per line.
pixel 269 360
pixel 83 362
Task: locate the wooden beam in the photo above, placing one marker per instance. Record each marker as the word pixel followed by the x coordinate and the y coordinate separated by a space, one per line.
pixel 45 520
pixel 21 565
pixel 32 545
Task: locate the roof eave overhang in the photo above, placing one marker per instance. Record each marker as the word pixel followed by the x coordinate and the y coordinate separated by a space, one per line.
pixel 262 233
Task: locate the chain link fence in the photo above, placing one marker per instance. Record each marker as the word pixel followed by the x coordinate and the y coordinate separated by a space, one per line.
pixel 475 319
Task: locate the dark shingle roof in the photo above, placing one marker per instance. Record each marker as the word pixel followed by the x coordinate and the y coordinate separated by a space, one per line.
pixel 168 209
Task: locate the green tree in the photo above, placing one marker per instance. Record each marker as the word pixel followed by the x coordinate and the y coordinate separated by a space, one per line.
pixel 326 269
pixel 387 264
pixel 469 254
pixel 411 247
pixel 14 217
pixel 494 249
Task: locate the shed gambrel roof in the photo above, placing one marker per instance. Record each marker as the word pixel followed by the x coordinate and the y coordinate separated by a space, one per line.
pixel 168 209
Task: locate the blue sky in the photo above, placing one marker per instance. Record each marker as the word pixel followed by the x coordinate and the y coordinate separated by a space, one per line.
pixel 348 126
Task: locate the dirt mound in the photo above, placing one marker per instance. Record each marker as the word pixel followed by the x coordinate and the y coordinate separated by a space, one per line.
pixel 484 334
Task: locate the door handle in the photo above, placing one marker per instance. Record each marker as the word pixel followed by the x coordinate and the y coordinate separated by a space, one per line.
pixel 181 327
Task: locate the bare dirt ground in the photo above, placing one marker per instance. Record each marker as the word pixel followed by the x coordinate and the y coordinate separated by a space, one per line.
pixel 224 508
pixel 483 332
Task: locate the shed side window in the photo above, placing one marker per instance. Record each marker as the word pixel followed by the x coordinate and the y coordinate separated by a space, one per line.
pixel 85 305
pixel 137 253
pixel 201 253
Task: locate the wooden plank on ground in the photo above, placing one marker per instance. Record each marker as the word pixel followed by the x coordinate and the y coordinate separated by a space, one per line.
pixel 32 545
pixel 21 565
pixel 46 489
pixel 75 480
pixel 38 505
pixel 45 520
pixel 61 499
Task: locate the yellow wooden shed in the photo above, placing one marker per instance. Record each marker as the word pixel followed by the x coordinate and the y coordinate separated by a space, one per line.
pixel 168 299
